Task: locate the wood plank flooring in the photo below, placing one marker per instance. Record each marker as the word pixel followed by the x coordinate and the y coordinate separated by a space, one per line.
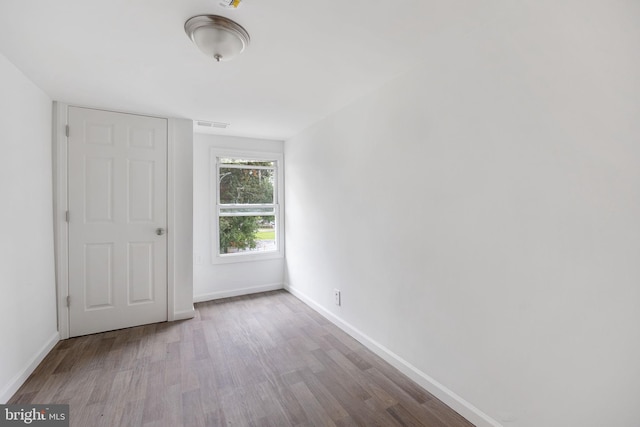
pixel 257 360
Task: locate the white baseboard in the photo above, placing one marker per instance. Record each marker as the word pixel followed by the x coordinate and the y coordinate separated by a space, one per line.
pixel 16 382
pixel 184 314
pixel 457 403
pixel 237 292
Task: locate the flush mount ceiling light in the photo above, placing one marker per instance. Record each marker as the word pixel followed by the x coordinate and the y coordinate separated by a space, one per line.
pixel 217 36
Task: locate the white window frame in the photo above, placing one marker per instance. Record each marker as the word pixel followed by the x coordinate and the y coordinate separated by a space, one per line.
pixel 278 158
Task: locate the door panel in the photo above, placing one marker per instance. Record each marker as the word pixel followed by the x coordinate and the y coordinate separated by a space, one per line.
pixel 117 201
pixel 141 179
pixel 98 197
pixel 98 267
pixel 141 267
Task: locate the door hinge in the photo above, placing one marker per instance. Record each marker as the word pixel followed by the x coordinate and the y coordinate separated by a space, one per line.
pixel 66 216
pixel 66 130
pixel 68 300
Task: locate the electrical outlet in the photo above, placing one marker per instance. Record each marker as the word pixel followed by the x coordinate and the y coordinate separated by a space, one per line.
pixel 336 296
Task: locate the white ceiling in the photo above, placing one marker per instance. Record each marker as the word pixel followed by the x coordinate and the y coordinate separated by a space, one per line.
pixel 307 58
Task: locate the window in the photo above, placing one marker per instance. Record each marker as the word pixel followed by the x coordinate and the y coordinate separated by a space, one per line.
pixel 247 210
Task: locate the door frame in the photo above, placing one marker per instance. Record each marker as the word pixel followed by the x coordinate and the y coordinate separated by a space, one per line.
pixel 61 226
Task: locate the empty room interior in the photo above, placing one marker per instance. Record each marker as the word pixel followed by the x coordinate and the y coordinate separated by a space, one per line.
pixel 321 213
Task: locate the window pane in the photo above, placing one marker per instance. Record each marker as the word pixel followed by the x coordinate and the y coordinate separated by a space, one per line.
pixel 246 185
pixel 228 161
pixel 247 234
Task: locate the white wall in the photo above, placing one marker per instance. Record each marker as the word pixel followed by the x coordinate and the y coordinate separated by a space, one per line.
pixel 27 279
pixel 481 216
pixel 211 280
pixel 181 217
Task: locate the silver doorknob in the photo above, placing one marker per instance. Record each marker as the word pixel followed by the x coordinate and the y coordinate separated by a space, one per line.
pixel 160 231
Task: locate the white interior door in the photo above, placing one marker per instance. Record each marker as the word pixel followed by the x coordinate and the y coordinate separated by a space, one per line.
pixel 117 220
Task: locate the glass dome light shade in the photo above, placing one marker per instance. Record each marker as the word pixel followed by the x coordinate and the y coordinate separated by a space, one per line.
pixel 217 36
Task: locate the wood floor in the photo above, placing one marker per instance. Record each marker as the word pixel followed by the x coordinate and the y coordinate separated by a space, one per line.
pixel 259 360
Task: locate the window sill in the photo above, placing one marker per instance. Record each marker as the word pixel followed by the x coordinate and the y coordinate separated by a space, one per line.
pixel 246 257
